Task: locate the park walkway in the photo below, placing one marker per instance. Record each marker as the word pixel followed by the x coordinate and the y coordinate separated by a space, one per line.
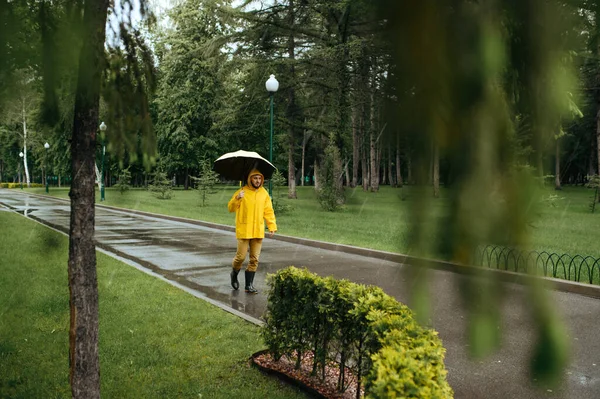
pixel 197 256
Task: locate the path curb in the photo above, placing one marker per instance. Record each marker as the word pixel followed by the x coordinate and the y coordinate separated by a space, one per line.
pixel 504 275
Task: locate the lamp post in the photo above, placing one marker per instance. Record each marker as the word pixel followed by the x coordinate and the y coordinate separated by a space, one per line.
pixel 272 85
pixel 102 129
pixel 21 155
pixel 46 146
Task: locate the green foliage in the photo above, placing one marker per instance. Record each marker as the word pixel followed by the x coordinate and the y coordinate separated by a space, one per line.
pixel 123 183
pixel 352 324
pixel 278 181
pixel 161 186
pixel 206 181
pixel 330 193
pixel 594 183
pixel 190 83
pixel 552 200
pixel 18 185
pixel 146 329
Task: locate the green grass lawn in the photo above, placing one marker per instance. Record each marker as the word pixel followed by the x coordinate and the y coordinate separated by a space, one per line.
pixel 376 220
pixel 156 341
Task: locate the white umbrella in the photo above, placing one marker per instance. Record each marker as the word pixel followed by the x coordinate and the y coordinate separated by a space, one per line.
pixel 236 165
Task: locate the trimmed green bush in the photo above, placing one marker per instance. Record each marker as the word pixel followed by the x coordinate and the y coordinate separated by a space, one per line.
pixel 353 326
pixel 18 185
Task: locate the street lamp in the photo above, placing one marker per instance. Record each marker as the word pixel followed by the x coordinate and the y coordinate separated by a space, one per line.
pixel 21 155
pixel 102 129
pixel 272 85
pixel 46 146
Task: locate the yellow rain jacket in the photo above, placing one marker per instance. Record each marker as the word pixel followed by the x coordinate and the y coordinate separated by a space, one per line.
pixel 252 210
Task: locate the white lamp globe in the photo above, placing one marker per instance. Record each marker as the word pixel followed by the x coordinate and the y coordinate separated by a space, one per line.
pixel 272 84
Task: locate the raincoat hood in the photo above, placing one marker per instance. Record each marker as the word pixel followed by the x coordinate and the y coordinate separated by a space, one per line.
pixel 254 172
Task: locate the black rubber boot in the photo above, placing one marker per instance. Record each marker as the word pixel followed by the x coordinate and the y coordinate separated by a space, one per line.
pixel 249 280
pixel 234 281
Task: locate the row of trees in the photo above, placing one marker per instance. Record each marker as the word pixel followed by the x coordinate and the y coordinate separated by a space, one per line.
pixel 346 77
pixel 341 87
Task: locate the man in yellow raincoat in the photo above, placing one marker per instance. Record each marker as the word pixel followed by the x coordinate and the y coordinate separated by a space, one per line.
pixel 252 206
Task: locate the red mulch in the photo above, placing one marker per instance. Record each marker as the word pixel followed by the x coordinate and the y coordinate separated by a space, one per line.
pixel 302 377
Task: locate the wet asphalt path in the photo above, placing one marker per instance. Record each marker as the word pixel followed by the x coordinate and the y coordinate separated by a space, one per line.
pixel 198 258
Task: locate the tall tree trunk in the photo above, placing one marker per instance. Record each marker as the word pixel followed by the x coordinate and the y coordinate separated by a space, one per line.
pixel 597 20
pixel 365 170
pixel 292 108
pixel 390 167
pixel 304 141
pixel 398 170
pixel 436 170
pixel 355 149
pixel 83 284
pixel 372 146
pixel 382 165
pixel 186 180
pixel 25 147
pixel 557 166
pixel 598 142
pixel 347 173
pixel 291 173
pixel 409 169
pixel 316 176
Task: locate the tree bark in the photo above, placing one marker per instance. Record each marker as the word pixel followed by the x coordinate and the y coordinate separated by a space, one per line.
pixel 436 170
pixel 291 173
pixel 390 168
pixel 347 173
pixel 372 146
pixel 557 167
pixel 365 171
pixel 355 148
pixel 83 285
pixel 304 140
pixel 597 19
pixel 598 142
pixel 292 108
pixel 409 175
pixel 591 157
pixel 316 176
pixel 398 170
pixel 382 166
pixel 25 147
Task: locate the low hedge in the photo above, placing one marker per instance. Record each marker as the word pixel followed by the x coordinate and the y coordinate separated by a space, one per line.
pixel 18 185
pixel 356 327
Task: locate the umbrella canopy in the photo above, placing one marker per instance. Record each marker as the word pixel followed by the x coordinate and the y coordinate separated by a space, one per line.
pixel 236 165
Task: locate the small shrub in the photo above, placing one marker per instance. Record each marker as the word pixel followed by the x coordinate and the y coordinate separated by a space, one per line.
pixel 161 186
pixel 206 181
pixel 354 326
pixel 330 194
pixel 18 185
pixel 278 181
pixel 594 183
pixel 124 182
pixel 552 200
